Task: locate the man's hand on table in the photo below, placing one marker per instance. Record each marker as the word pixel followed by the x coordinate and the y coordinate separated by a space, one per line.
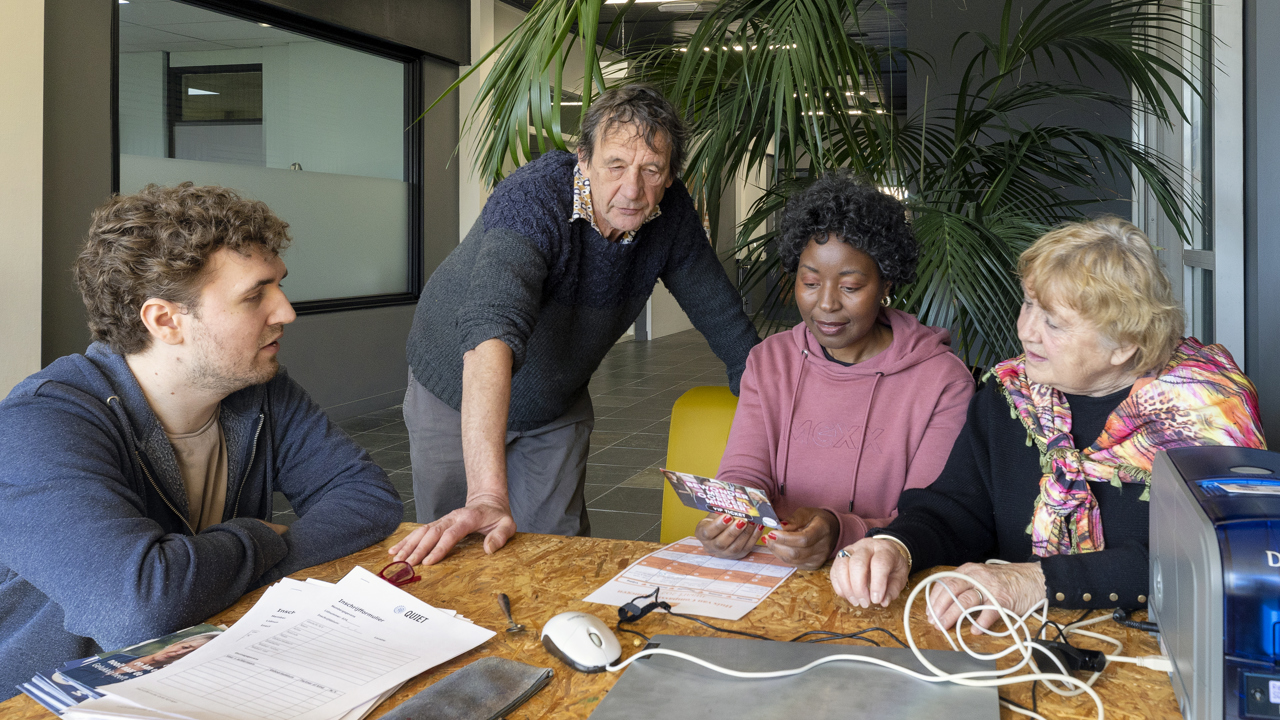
pixel 809 536
pixel 1017 587
pixel 430 543
pixel 875 572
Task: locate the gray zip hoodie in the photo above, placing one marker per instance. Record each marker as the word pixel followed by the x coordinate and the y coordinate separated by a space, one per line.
pixel 96 547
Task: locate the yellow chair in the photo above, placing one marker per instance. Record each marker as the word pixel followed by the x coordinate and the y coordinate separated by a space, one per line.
pixel 700 422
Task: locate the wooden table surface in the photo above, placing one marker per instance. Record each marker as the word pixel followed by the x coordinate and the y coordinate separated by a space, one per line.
pixel 545 575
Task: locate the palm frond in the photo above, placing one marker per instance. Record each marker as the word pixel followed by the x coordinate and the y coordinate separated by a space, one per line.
pixel 782 81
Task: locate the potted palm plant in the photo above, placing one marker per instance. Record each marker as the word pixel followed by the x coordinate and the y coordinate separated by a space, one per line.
pixel 790 82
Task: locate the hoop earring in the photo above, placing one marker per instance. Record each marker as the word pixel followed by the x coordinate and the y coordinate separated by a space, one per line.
pixel 885 301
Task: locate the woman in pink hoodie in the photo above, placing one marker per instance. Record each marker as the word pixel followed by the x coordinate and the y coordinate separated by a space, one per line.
pixel 843 412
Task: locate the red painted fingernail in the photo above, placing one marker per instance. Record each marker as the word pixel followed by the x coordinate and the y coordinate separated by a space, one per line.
pixel 727 519
pixel 785 523
pixel 764 540
pixel 742 524
pixel 773 536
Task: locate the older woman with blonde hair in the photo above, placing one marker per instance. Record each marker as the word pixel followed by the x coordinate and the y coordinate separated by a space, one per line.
pixel 1050 473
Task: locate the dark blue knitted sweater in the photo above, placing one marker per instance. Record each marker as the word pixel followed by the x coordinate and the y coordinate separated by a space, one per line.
pixel 560 294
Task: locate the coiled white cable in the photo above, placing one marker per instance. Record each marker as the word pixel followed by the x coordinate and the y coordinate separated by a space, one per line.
pixel 1017 629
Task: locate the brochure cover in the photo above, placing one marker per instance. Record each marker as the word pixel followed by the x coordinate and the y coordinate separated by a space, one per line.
pixel 55 692
pixel 724 497
pixel 138 660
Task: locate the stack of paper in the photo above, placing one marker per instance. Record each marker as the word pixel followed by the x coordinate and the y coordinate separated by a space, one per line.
pixel 305 651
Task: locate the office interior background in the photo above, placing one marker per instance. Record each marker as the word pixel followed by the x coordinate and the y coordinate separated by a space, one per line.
pixel 304 104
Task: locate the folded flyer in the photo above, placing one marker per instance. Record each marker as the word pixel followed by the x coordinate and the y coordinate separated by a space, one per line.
pixel 724 497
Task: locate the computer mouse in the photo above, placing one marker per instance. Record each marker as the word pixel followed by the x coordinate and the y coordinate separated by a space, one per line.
pixel 581 641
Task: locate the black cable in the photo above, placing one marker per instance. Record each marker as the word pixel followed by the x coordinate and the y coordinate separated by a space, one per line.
pixel 1059 628
pixel 641 635
pixel 717 629
pixel 1018 705
pixel 1122 616
pixel 632 612
pixel 832 635
pixel 1035 684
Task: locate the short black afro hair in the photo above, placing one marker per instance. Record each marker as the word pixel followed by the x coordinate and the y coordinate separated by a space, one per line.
pixel 857 213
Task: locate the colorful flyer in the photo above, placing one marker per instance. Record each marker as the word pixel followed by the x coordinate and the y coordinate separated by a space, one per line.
pixel 722 496
pixel 696 583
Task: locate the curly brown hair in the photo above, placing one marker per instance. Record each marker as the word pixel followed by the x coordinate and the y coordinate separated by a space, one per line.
pixel 156 244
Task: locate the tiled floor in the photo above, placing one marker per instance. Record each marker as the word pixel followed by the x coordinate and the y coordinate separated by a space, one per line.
pixel 632 392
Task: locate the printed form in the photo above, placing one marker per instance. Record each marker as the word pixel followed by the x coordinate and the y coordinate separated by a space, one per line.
pixel 304 652
pixel 696 583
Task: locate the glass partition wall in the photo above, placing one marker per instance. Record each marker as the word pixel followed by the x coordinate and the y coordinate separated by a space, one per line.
pixel 314 128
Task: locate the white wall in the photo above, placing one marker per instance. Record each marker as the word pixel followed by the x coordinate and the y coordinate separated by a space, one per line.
pixel 142 104
pixel 665 315
pixel 491 21
pixel 21 188
pixel 339 114
pixel 471 191
pixel 314 95
pixel 348 231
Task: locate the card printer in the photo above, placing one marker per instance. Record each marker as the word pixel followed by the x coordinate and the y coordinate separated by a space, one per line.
pixel 1215 578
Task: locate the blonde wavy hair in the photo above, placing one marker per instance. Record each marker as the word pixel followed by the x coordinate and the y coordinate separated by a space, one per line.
pixel 1107 271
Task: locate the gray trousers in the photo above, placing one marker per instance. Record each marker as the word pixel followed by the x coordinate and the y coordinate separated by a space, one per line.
pixel 546 466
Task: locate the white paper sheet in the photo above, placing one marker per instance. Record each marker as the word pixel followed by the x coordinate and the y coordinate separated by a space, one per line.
pixel 696 583
pixel 304 652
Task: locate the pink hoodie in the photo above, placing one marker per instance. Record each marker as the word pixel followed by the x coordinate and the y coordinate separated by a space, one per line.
pixel 801 429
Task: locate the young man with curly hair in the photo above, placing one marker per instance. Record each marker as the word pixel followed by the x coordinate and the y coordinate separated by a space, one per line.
pixel 136 479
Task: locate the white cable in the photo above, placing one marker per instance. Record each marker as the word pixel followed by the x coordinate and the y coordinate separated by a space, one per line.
pixel 1017 629
pixel 1154 662
pixel 1021 710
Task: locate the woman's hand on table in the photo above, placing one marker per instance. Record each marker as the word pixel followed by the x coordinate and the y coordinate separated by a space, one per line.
pixel 807 540
pixel 874 573
pixel 430 543
pixel 1017 587
pixel 725 536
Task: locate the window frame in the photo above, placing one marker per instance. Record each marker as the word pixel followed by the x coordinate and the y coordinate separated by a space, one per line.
pixel 280 18
pixel 173 96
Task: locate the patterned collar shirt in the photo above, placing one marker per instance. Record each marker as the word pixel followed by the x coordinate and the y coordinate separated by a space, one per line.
pixel 582 207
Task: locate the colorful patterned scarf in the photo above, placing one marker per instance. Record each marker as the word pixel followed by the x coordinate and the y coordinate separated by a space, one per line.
pixel 1200 398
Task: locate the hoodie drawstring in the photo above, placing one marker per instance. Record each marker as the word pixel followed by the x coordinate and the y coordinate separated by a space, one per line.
pixel 862 443
pixel 791 416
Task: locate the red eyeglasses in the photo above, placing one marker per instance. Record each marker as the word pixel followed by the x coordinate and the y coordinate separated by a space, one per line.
pixel 399 573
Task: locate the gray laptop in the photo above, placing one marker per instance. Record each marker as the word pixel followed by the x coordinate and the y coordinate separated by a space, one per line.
pixel 667 688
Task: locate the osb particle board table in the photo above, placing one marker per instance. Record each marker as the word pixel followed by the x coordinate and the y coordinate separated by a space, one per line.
pixel 546 574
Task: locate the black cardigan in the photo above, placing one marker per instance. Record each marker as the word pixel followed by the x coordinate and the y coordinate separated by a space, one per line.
pixel 980 507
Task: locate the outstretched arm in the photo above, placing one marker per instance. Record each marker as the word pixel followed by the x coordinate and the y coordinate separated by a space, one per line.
pixel 486 398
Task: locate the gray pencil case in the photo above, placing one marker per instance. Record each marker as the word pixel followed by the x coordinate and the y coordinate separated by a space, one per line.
pixel 487 689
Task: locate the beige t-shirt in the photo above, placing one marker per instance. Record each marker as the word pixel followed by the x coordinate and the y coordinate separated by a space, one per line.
pixel 202 460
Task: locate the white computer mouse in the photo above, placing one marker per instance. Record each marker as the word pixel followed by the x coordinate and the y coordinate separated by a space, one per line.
pixel 581 641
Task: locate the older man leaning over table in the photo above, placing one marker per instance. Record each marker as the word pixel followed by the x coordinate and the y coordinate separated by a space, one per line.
pixel 513 323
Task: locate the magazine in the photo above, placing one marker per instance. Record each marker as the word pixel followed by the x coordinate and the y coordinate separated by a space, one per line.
pixel 78 680
pixel 138 660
